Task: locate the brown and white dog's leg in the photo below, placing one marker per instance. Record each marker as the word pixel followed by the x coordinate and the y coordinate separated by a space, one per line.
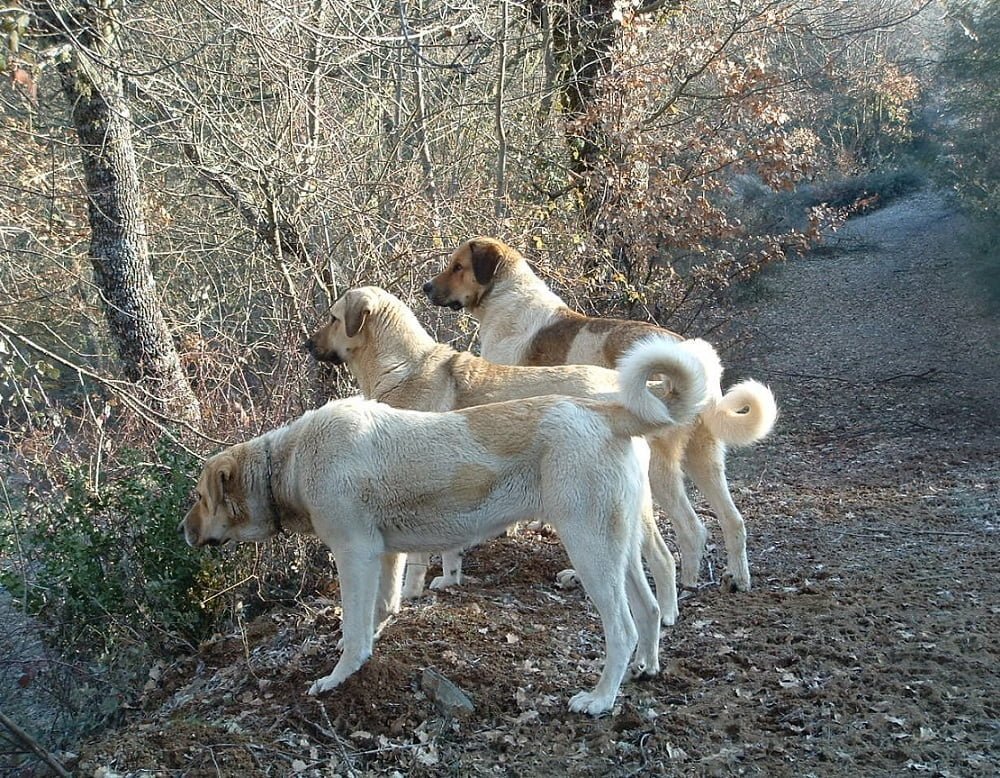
pixel 415 574
pixel 667 482
pixel 706 464
pixel 451 569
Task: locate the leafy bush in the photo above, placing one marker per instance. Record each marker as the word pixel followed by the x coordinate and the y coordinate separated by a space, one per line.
pixel 105 564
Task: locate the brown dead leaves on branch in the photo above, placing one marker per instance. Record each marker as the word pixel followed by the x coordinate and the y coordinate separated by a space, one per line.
pixel 691 105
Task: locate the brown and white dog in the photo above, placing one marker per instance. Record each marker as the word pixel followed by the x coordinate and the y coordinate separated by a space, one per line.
pixel 523 322
pixel 396 361
pixel 374 482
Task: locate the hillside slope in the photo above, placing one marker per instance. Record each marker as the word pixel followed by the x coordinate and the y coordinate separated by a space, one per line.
pixel 868 645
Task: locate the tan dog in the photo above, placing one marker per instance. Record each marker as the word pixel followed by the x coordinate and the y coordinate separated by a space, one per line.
pixel 522 322
pixel 374 481
pixel 396 361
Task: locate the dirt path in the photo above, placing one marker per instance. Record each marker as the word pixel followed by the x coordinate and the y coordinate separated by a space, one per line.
pixel 867 647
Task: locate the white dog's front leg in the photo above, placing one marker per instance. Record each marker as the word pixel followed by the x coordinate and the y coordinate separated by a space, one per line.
pixel 359 570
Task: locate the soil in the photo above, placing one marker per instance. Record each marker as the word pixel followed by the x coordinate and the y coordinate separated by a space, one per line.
pixel 868 645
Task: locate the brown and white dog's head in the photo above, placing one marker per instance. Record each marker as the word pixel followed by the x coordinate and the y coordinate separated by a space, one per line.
pixel 472 270
pixel 343 333
pixel 222 510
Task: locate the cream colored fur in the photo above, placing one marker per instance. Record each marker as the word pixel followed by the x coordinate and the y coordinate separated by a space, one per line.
pixel 374 482
pixel 396 361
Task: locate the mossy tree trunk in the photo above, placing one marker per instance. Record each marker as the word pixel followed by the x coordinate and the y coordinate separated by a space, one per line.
pixel 119 246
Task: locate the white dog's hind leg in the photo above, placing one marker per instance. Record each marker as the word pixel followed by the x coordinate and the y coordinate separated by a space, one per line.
pixel 706 463
pixel 603 575
pixel 359 570
pixel 415 575
pixel 646 614
pixel 451 569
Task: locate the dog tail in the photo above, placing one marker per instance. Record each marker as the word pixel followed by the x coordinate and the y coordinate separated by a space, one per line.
pixel 679 397
pixel 744 414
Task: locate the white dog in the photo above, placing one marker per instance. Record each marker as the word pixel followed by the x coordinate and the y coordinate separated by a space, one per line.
pixel 374 482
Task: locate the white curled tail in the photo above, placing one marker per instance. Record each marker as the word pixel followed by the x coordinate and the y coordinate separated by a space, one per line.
pixel 743 415
pixel 683 391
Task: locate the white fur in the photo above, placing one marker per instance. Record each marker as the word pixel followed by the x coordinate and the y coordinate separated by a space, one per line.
pixel 374 482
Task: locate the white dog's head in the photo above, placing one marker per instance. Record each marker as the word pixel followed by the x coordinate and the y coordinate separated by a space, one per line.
pixel 222 510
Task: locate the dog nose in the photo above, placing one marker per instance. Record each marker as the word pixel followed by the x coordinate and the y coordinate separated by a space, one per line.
pixel 307 346
pixel 180 529
pixel 428 288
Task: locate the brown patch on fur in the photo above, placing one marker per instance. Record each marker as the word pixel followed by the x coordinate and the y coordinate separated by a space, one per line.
pixel 622 334
pixel 506 429
pixel 472 484
pixel 552 343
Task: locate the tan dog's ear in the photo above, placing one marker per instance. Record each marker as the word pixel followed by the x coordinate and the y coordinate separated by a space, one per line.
pixel 357 307
pixel 218 479
pixel 485 257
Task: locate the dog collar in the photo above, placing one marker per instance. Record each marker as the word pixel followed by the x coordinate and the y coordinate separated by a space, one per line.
pixel 272 502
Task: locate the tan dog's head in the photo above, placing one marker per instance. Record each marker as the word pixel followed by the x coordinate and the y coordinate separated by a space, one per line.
pixel 471 271
pixel 337 339
pixel 221 512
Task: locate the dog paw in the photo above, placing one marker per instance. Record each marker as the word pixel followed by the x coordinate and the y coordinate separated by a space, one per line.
pixel 568 579
pixel 590 703
pixel 642 668
pixel 732 583
pixel 324 685
pixel 668 617
pixel 444 581
pixel 411 592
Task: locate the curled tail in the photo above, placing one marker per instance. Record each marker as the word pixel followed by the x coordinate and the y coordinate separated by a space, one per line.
pixel 741 416
pixel 682 391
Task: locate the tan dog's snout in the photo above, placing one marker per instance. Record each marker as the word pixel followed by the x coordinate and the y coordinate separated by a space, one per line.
pixel 441 297
pixel 319 346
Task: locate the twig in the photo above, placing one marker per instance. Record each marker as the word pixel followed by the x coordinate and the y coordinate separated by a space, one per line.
pixel 928 372
pixel 810 375
pixel 885 532
pixel 35 746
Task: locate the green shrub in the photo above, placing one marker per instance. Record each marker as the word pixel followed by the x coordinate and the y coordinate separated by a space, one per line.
pixel 106 565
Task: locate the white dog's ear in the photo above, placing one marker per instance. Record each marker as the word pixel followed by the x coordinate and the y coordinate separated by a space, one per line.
pixel 357 307
pixel 485 256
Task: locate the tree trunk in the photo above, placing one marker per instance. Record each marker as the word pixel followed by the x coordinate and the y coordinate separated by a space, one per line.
pixel 119 247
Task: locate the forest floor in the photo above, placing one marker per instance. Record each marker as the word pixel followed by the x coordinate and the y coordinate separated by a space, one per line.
pixel 868 645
